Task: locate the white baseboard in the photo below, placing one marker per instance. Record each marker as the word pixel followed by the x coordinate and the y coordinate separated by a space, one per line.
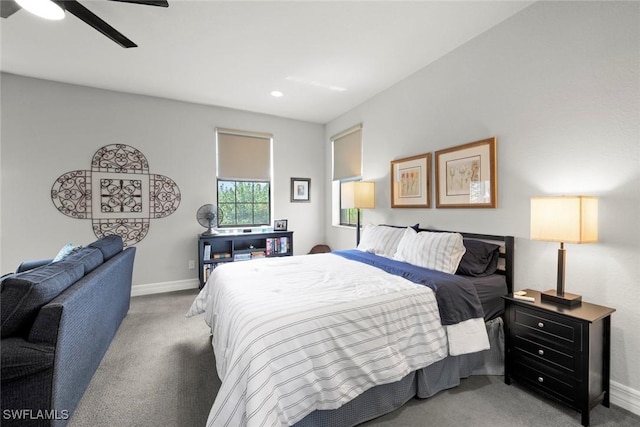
pixel 625 397
pixel 159 288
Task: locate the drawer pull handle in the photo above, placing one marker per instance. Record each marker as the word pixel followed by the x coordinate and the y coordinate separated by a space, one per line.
pixel 541 352
pixel 540 379
pixel 540 325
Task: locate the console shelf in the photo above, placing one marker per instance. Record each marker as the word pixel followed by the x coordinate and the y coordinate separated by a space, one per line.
pixel 230 247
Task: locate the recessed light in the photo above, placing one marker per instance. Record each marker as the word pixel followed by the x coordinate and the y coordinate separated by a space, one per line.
pixel 276 93
pixel 315 83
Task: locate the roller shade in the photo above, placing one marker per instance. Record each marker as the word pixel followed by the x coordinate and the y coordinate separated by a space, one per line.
pixel 347 154
pixel 244 156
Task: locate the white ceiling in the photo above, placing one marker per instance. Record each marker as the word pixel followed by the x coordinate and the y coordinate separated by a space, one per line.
pixel 327 57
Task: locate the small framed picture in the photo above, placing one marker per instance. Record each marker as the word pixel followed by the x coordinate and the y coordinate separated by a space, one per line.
pixel 280 225
pixel 300 189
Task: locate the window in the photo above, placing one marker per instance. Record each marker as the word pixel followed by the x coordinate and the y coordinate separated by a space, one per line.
pixel 347 166
pixel 243 178
pixel 243 203
pixel 348 217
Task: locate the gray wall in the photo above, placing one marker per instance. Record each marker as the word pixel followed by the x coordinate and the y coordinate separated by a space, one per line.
pixel 558 85
pixel 51 128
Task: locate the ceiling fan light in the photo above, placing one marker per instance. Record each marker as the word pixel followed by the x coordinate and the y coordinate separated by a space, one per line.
pixel 46 9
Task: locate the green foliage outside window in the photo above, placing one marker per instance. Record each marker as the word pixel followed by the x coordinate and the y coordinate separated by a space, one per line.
pixel 348 216
pixel 244 203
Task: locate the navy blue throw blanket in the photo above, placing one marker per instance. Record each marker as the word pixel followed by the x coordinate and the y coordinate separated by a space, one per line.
pixel 456 296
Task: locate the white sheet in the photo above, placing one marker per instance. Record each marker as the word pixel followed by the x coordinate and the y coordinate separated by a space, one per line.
pixel 296 334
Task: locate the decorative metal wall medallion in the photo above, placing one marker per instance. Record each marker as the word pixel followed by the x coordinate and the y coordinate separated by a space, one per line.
pixel 118 194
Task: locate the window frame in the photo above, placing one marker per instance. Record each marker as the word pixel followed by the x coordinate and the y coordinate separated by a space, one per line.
pixel 341 176
pixel 261 178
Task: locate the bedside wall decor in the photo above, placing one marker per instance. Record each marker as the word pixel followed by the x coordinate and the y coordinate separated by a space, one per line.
pixel 466 176
pixel 118 194
pixel 411 182
pixel 300 189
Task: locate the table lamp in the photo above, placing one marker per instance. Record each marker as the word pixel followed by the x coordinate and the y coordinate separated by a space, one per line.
pixel 564 219
pixel 358 195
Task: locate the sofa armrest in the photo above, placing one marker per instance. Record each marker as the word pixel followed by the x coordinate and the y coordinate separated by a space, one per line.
pixel 20 358
pixel 30 265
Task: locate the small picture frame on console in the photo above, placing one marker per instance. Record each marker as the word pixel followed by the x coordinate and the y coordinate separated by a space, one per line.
pixel 280 225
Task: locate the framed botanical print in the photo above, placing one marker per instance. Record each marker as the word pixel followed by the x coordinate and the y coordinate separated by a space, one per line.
pixel 466 176
pixel 411 182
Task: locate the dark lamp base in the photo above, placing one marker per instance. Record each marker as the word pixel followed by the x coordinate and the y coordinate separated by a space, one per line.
pixel 566 299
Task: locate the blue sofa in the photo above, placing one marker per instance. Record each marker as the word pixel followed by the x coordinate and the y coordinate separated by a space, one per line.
pixel 57 322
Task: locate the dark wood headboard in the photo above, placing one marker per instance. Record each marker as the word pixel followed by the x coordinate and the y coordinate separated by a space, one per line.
pixel 507 246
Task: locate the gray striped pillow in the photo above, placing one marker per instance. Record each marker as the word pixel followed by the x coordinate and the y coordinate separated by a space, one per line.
pixel 380 239
pixel 437 251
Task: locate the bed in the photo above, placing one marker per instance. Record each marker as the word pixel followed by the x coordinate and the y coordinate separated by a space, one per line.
pixel 336 339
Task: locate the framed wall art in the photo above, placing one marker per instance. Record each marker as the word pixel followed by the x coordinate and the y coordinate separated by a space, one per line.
pixel 466 176
pixel 411 182
pixel 300 189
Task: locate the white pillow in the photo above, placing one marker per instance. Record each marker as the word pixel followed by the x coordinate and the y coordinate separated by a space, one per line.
pixel 66 250
pixel 437 251
pixel 380 239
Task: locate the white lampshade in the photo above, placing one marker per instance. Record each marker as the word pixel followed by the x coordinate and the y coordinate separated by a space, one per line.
pixel 565 219
pixel 358 195
pixel 46 9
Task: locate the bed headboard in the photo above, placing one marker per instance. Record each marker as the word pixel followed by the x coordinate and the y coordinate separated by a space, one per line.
pixel 506 243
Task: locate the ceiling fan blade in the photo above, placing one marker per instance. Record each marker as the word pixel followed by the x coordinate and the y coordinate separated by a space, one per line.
pixel 160 3
pixel 8 8
pixel 96 22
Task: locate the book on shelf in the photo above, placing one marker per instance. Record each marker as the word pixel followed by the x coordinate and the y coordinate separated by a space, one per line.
pixel 206 272
pixel 278 245
pixel 242 257
pixel 284 245
pixel 206 252
pixel 221 255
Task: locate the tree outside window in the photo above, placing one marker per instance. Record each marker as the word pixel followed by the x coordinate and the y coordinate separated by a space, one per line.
pixel 243 203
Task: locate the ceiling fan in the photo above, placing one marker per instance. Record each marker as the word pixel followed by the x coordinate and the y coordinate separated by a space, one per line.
pixel 9 7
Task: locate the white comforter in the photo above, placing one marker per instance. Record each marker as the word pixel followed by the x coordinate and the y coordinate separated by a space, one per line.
pixel 296 334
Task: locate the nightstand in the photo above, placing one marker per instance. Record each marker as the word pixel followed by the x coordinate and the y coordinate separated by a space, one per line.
pixel 560 351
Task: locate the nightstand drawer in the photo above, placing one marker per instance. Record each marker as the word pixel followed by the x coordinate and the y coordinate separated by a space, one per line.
pixel 558 386
pixel 566 361
pixel 547 325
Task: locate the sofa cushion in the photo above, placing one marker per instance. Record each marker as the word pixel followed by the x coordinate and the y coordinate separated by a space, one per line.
pixel 24 294
pixel 108 245
pixel 21 358
pixel 90 258
pixel 31 264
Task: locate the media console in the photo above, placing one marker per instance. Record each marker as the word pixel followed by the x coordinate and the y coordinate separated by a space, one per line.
pixel 229 247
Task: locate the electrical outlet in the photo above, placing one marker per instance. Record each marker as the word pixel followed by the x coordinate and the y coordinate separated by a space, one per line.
pixel 192 264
